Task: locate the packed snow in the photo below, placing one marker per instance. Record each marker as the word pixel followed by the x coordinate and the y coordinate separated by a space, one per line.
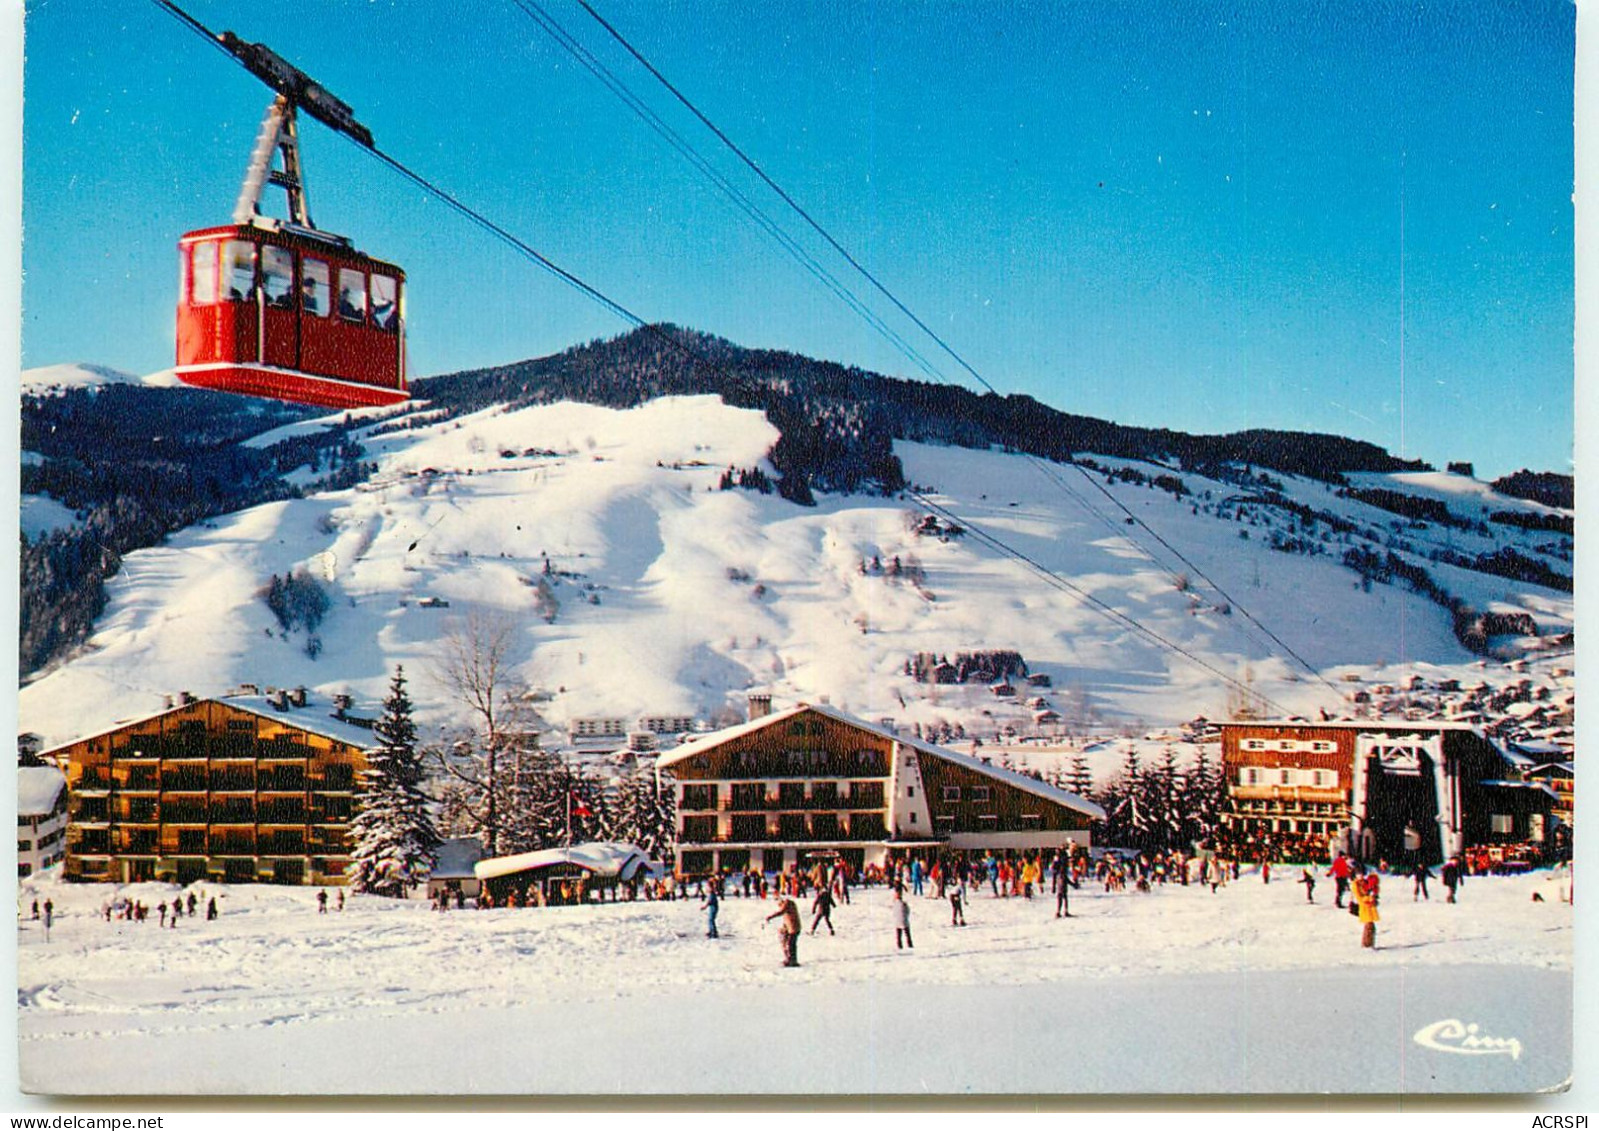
pixel 389 996
pixel 636 587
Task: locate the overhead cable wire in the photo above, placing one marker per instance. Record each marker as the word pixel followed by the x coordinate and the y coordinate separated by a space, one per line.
pixel 623 312
pixel 805 215
pixel 1054 579
pixel 685 149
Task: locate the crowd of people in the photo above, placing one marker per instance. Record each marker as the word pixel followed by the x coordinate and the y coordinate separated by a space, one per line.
pixel 128 910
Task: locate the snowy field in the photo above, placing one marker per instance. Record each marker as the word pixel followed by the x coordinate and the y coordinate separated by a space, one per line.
pixel 1178 990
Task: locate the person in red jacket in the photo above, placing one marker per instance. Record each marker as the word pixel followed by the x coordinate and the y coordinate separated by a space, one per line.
pixel 1340 873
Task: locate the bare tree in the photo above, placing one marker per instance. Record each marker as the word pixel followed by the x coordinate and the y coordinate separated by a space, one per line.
pixel 474 669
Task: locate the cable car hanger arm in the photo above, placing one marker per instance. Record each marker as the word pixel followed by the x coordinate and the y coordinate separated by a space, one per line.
pixel 299 88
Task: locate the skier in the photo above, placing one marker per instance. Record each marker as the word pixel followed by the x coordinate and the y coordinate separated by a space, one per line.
pixel 711 906
pixel 1340 874
pixel 1421 874
pixel 211 909
pixel 193 903
pixel 823 909
pixel 788 930
pixel 1265 871
pixel 36 909
pixel 900 912
pixel 1451 877
pixel 162 908
pixel 957 909
pixel 341 899
pixel 1308 878
pixel 916 875
pixel 322 901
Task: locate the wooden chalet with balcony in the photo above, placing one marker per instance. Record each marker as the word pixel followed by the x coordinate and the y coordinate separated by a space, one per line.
pixel 782 788
pixel 233 790
pixel 1380 789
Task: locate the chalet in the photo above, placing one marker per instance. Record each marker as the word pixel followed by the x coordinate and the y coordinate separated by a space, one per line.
pixel 41 818
pixel 776 791
pixel 234 789
pixel 1369 785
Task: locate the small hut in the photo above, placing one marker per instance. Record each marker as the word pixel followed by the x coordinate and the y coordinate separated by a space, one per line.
pixel 558 876
pixel 452 867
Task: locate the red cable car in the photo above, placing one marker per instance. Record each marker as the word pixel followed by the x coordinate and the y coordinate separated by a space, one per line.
pixel 275 308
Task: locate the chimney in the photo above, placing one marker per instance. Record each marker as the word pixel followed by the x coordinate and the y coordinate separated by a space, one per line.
pixel 249 689
pixel 185 699
pixel 166 703
pixel 297 697
pixel 341 704
pixel 279 698
pixel 760 706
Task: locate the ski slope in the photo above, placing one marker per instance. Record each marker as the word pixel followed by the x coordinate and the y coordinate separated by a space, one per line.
pixel 677 598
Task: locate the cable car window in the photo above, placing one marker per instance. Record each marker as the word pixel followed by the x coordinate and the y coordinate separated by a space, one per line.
pixel 314 286
pixel 277 276
pixel 204 276
pixel 352 294
pixel 238 270
pixel 385 308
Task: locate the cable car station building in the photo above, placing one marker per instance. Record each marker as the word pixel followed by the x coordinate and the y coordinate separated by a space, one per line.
pixel 237 790
pixel 782 788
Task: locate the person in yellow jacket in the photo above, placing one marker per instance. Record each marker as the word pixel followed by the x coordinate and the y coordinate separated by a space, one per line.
pixel 1366 900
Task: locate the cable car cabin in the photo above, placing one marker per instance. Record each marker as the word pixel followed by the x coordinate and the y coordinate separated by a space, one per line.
pixel 292 314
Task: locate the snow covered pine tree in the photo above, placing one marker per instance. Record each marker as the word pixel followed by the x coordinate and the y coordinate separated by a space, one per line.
pixel 393 835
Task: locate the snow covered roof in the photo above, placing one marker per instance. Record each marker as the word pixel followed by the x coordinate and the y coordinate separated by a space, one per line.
pixel 1537 748
pixel 1010 777
pixel 38 787
pixel 602 858
pixel 307 718
pixel 456 857
pixel 1568 767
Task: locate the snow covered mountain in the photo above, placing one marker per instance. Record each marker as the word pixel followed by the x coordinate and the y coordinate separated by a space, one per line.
pixel 637 584
pixel 47 379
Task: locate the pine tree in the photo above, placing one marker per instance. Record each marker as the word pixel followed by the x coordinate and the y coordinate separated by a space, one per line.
pixel 1079 779
pixel 394 841
pixel 643 812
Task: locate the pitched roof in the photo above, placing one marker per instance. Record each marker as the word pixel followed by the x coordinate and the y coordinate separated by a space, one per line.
pixel 38 787
pixel 701 743
pixel 307 718
pixel 602 858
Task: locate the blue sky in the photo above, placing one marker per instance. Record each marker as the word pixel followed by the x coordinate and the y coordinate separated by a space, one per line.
pixel 1197 215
